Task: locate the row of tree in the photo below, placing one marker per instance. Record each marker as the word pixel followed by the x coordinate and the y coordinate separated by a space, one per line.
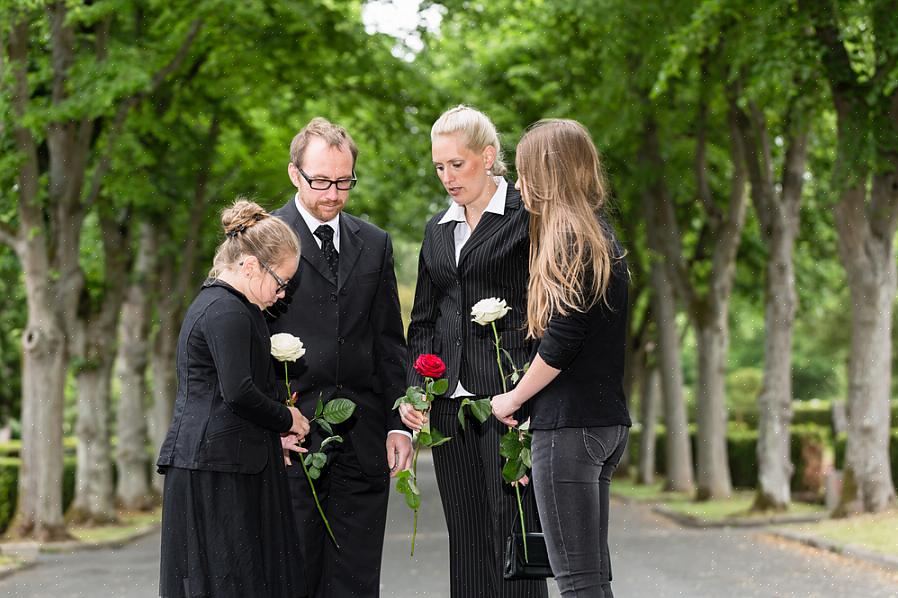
pixel 125 125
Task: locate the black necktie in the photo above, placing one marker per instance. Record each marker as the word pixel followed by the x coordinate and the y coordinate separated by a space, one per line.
pixel 326 234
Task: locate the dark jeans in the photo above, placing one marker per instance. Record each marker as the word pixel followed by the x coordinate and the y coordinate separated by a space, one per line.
pixel 572 469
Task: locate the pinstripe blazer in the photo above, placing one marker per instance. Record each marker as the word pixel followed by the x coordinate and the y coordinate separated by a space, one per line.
pixel 493 263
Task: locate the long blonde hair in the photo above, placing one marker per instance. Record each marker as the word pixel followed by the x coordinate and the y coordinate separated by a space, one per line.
pixel 564 190
pixel 250 230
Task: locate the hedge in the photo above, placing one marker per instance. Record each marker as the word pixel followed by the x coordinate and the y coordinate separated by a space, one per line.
pixel 817 412
pixel 9 486
pixel 741 451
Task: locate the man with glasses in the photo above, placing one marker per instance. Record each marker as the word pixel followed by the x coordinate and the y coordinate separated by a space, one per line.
pixel 344 305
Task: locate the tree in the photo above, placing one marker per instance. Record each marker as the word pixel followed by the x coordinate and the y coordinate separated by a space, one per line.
pixel 858 50
pixel 64 131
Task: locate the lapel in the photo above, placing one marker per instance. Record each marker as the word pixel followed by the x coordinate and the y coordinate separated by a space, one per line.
pixel 446 234
pixel 351 245
pixel 309 250
pixel 491 223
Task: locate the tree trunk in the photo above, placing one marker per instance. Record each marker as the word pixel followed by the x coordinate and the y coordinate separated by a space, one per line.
pixel 778 213
pixel 713 467
pixel 133 489
pixel 94 497
pixel 775 402
pixel 870 265
pixel 678 450
pixel 645 473
pixel 165 382
pixel 39 505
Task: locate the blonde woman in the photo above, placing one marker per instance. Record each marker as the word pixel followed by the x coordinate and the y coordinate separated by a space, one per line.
pixel 577 311
pixel 227 522
pixel 476 248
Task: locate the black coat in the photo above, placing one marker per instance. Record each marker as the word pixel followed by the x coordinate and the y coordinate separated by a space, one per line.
pixel 493 263
pixel 226 408
pixel 352 332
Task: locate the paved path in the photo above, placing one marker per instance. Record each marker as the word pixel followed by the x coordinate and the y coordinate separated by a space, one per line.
pixel 651 557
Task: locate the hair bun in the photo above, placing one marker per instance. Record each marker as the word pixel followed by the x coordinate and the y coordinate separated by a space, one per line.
pixel 241 216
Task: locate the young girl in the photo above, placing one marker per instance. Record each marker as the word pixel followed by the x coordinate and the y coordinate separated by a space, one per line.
pixel 577 310
pixel 227 523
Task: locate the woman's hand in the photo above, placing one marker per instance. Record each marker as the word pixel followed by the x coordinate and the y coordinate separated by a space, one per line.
pixel 291 442
pixel 411 417
pixel 300 425
pixel 504 406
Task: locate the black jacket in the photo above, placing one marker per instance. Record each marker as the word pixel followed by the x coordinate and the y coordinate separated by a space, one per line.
pixel 226 409
pixel 352 332
pixel 493 263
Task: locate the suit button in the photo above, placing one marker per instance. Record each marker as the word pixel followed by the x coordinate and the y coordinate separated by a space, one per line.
pixel 334 297
pixel 343 291
pixel 341 340
pixel 458 342
pixel 457 313
pixel 339 387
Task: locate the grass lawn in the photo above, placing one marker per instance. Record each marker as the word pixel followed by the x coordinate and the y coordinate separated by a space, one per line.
pixel 873 532
pixel 129 524
pixel 7 560
pixel 714 510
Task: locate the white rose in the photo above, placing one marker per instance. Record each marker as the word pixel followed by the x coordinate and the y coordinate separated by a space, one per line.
pixel 489 310
pixel 286 347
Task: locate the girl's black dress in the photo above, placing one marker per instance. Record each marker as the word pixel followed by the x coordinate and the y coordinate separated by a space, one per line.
pixel 227 522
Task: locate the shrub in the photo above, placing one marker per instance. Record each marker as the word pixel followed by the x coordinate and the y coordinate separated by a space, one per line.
pixel 9 487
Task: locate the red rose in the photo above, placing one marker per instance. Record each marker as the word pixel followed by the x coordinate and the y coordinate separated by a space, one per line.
pixel 430 366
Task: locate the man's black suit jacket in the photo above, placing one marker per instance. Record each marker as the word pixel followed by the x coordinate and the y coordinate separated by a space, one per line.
pixel 352 331
pixel 493 263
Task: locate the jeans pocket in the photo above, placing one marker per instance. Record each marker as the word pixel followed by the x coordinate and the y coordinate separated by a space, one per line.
pixel 600 442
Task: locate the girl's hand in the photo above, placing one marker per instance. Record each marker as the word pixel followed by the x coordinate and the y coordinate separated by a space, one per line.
pixel 291 442
pixel 300 425
pixel 504 406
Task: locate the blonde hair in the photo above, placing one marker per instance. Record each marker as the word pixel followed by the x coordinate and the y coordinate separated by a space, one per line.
pixel 250 230
pixel 477 130
pixel 564 190
pixel 334 135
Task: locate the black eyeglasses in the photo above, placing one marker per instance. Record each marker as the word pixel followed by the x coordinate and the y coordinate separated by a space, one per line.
pixel 325 184
pixel 282 284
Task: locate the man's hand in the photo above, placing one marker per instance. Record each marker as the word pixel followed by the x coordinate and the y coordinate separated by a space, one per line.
pixel 399 453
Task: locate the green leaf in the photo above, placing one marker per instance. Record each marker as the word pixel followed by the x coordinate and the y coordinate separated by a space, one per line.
pixel 325 426
pixel 338 411
pixel 413 500
pixel 440 386
pixel 510 445
pixel 399 402
pixel 525 458
pixel 424 438
pixel 513 470
pixel 461 412
pixel 437 438
pixel 482 409
pixel 314 473
pixel 319 460
pixel 421 405
pixel 402 481
pixel 331 439
pixel 515 376
pixel 319 408
pixel 307 459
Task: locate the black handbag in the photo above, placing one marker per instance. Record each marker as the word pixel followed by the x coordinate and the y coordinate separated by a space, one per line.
pixel 536 565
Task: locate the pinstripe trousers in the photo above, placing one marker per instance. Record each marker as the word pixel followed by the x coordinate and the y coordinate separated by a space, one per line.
pixel 480 507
